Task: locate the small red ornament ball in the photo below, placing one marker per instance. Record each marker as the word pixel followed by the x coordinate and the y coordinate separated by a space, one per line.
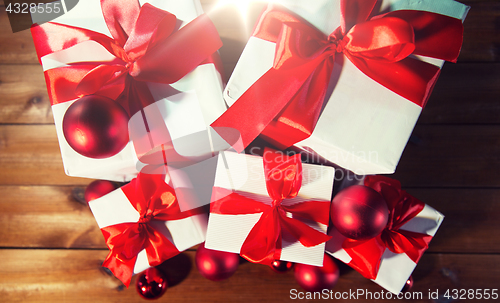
pixel 96 127
pixel 216 265
pixel 151 283
pixel 359 212
pixel 97 189
pixel 408 285
pixel 314 278
pixel 281 266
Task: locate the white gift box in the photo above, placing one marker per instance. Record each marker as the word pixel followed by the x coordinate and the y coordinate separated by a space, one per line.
pixel 364 126
pixel 115 208
pixel 395 269
pixel 244 175
pixel 187 106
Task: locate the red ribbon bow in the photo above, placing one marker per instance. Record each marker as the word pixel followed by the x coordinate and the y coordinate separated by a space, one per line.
pixel 283 181
pixel 286 102
pixel 366 255
pixel 147 48
pixel 155 202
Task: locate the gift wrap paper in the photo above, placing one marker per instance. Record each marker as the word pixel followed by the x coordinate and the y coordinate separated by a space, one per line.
pixel 244 175
pixel 364 126
pixel 395 269
pixel 184 107
pixel 115 208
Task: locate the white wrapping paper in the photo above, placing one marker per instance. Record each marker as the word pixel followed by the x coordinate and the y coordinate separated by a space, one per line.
pixel 188 106
pixel 395 269
pixel 244 175
pixel 364 127
pixel 114 208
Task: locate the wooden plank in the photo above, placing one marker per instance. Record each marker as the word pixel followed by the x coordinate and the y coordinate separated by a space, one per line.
pixel 29 154
pixel 76 276
pixel 451 156
pixel 15 47
pixel 481 33
pixel 471 219
pixel 46 216
pixel 466 93
pixel 24 95
pixel 481 39
pixel 437 156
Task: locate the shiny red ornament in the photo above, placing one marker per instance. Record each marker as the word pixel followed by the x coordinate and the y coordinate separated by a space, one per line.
pixel 408 285
pixel 97 189
pixel 96 127
pixel 359 212
pixel 216 265
pixel 281 266
pixel 315 278
pixel 151 283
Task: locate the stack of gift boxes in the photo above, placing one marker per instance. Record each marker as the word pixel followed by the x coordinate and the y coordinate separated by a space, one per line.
pixel 137 95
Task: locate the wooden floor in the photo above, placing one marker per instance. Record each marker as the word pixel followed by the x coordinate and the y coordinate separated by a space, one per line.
pixel 51 248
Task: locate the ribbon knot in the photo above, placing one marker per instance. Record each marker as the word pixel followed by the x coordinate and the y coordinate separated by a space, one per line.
pixel 155 201
pixel 145 219
pixel 366 255
pixel 283 181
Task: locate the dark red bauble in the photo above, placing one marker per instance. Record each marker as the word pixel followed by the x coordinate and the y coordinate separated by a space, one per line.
pixel 97 189
pixel 96 127
pixel 408 285
pixel 216 265
pixel 281 266
pixel 151 283
pixel 314 278
pixel 359 212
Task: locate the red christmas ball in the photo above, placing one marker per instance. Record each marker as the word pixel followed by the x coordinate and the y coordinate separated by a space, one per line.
pixel 281 266
pixel 359 212
pixel 97 189
pixel 96 127
pixel 151 283
pixel 216 265
pixel 408 285
pixel 314 278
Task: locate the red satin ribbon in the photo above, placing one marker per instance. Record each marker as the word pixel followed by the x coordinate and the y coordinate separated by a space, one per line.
pixel 366 255
pixel 286 102
pixel 283 181
pixel 147 48
pixel 155 201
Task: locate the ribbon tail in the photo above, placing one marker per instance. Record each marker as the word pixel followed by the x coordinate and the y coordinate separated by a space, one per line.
pixel 305 234
pixel 263 243
pixel 121 269
pixel 436 36
pixel 366 256
pixel 411 243
pixel 410 78
pixel 158 247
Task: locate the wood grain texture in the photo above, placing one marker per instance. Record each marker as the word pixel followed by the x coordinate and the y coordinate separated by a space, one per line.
pixel 29 154
pixel 451 156
pixel 465 93
pixel 48 216
pixel 24 95
pixel 76 276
